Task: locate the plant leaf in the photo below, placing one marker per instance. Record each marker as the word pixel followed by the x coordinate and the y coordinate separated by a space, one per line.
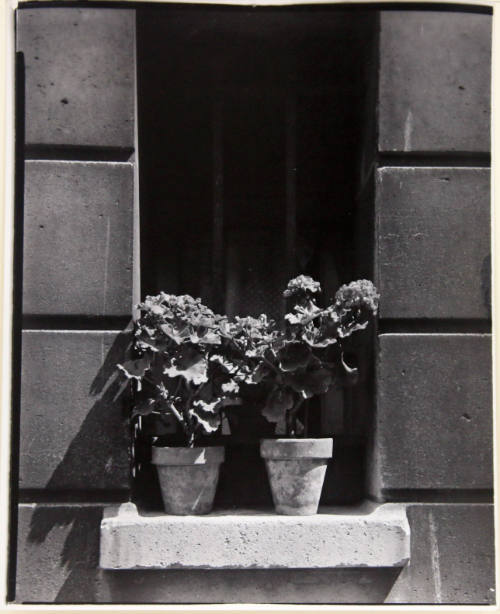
pixel 230 387
pixel 177 334
pixel 347 330
pixel 208 423
pixel 143 408
pixel 207 415
pixel 135 368
pixel 315 338
pixel 260 373
pixel 227 365
pixel 206 392
pixel 210 338
pixel 294 355
pixel 277 403
pixel 351 374
pixel 310 383
pixel 190 365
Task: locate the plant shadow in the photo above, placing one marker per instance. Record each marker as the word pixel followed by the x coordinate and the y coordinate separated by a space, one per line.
pixel 95 469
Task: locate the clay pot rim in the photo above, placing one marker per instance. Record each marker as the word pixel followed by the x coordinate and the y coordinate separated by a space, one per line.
pixel 182 456
pixel 291 448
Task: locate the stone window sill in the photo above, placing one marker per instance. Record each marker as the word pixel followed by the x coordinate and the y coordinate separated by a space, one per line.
pixel 370 535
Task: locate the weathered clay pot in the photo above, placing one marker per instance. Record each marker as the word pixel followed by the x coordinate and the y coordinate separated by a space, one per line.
pixel 296 470
pixel 188 477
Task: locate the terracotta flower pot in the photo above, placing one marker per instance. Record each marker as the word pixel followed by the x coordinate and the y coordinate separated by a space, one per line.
pixel 188 477
pixel 296 470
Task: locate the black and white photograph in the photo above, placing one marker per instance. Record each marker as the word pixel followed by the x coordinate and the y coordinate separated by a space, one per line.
pixel 251 307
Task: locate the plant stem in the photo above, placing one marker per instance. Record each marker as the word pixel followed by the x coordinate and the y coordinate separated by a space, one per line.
pixel 178 385
pixel 270 364
pixel 187 421
pixel 311 318
pixel 291 416
pixel 289 426
pixel 176 413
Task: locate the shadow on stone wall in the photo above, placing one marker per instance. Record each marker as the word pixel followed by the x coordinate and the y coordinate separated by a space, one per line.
pixel 71 550
pixel 94 469
pixel 98 457
pixel 292 586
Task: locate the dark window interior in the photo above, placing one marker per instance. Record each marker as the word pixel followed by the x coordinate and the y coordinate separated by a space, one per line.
pixel 250 126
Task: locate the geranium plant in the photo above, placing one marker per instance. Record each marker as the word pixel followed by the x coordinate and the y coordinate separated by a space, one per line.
pixel 308 357
pixel 188 366
pixel 193 363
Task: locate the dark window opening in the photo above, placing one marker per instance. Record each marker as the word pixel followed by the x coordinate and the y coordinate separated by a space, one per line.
pixel 250 144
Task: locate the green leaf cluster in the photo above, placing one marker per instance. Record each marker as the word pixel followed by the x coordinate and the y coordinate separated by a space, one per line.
pixel 186 367
pixel 308 357
pixel 193 364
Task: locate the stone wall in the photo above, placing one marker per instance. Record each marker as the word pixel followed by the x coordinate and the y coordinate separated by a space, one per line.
pixel 432 442
pixel 424 239
pixel 77 291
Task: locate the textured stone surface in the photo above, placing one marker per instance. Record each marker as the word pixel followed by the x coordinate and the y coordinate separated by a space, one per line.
pixel 57 562
pixel 435 70
pixel 372 536
pixel 451 562
pixel 78 238
pixel 434 412
pixel 452 556
pixel 433 253
pixel 73 431
pixel 212 586
pixel 79 75
pixel 57 553
pixel 365 236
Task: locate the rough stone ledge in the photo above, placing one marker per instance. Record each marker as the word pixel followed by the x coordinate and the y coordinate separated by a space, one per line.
pixel 366 536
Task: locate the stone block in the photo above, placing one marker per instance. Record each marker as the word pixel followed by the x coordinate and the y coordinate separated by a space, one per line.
pixel 452 556
pixel 78 238
pixel 435 71
pixel 79 75
pixel 354 585
pixel 73 429
pixel 367 536
pixel 433 252
pixel 434 412
pixel 365 236
pixel 57 562
pixel 451 562
pixel 58 554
